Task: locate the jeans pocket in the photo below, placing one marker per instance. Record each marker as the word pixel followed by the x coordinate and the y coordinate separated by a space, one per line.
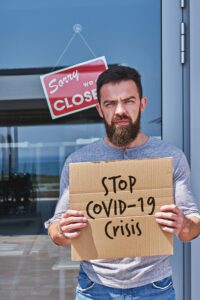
pixel 84 282
pixel 163 284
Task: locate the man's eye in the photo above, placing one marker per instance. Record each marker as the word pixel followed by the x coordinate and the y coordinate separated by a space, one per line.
pixel 130 101
pixel 109 104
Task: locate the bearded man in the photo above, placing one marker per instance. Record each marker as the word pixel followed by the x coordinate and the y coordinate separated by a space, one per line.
pixel 120 104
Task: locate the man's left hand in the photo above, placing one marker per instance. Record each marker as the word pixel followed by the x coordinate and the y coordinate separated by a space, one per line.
pixel 170 218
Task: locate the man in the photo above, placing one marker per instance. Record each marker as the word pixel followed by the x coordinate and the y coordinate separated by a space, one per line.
pixel 121 103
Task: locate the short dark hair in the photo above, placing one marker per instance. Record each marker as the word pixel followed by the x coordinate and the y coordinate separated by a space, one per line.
pixel 116 74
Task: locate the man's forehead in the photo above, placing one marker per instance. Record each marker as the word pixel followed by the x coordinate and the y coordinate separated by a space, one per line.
pixel 123 89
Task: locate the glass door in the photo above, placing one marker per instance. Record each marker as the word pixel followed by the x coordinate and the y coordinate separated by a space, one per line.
pixel 41 37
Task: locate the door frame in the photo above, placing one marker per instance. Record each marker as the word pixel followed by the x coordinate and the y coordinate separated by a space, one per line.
pixel 176 118
pixel 172 106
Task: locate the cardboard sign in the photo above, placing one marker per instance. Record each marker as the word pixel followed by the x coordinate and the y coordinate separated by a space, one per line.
pixel 73 89
pixel 120 198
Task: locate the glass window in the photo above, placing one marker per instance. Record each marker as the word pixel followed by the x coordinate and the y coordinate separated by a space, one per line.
pixel 50 33
pixel 33 148
pixel 31 160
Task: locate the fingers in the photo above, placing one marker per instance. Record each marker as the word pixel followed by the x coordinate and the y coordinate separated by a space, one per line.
pixel 72 230
pixel 71 235
pixel 170 218
pixel 170 207
pixel 71 212
pixel 71 223
pixel 69 220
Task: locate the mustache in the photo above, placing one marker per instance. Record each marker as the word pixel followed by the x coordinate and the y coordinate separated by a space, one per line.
pixel 121 117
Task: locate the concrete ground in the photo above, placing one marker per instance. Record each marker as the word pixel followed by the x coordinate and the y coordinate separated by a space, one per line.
pixel 33 268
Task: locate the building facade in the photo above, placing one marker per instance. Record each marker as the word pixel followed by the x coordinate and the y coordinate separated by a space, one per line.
pixel 157 37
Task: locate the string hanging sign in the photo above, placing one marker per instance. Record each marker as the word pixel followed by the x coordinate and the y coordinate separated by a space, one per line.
pixel 73 89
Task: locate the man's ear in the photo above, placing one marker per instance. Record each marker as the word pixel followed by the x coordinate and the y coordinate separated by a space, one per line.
pixel 98 107
pixel 143 104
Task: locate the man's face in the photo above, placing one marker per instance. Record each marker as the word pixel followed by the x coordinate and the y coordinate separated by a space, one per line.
pixel 121 107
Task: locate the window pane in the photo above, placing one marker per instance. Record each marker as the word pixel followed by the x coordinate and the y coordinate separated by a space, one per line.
pixel 61 33
pixel 33 148
pixel 31 160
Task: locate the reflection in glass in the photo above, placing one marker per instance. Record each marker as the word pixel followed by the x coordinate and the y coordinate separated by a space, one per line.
pixel 31 160
pixel 49 33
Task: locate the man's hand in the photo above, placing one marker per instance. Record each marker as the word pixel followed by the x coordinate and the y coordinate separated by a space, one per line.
pixel 172 220
pixel 71 223
pixel 68 227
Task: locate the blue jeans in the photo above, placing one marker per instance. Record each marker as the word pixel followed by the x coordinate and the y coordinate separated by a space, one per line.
pixel 158 290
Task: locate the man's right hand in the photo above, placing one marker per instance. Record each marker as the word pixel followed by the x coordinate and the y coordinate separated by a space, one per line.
pixel 67 228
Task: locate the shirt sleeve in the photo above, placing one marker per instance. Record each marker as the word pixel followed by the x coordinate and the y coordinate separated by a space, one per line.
pixel 63 201
pixel 184 198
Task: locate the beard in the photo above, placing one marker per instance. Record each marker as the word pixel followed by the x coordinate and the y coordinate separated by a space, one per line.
pixel 123 135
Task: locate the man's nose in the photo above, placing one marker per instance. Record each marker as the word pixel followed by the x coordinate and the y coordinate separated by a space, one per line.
pixel 120 109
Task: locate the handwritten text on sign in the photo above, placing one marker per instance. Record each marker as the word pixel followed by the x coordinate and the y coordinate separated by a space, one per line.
pixel 120 207
pixel 73 89
pixel 120 198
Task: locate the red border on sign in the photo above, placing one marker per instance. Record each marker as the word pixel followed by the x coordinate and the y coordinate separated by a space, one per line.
pixel 73 89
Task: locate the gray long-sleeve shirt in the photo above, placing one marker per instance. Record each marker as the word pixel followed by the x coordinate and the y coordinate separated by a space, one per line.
pixel 136 271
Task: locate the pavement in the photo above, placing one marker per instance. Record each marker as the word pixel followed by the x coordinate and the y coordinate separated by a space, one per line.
pixel 33 268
